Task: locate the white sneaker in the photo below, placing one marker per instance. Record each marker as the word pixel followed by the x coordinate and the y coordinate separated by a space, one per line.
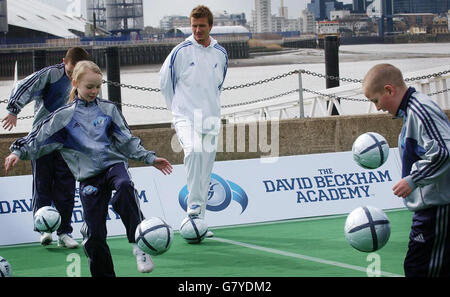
pixel 209 234
pixel 194 210
pixel 65 240
pixel 46 238
pixel 144 261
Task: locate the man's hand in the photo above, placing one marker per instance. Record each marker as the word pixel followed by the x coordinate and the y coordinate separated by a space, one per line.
pixel 163 165
pixel 9 122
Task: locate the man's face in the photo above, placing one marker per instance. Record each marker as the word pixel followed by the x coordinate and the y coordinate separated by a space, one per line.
pixel 200 30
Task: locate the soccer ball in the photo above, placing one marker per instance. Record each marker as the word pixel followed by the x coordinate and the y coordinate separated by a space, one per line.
pixel 5 268
pixel 154 236
pixel 193 230
pixel 367 229
pixel 47 219
pixel 370 150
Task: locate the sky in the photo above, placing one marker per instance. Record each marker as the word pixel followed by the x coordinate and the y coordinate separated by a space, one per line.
pixel 155 10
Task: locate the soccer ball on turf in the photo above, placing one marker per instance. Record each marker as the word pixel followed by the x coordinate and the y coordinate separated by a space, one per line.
pixel 370 150
pixel 193 230
pixel 154 236
pixel 5 268
pixel 367 229
pixel 47 219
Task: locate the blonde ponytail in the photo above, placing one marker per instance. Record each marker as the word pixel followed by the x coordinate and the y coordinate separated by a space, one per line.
pixel 72 95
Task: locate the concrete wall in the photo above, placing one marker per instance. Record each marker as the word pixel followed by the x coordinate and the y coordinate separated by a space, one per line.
pixel 290 137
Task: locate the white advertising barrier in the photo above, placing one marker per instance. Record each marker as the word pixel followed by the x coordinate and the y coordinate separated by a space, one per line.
pixel 241 191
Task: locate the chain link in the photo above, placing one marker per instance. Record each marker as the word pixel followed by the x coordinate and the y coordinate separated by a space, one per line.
pixel 334 96
pixel 116 84
pixel 331 77
pixel 259 82
pixel 260 100
pixel 141 106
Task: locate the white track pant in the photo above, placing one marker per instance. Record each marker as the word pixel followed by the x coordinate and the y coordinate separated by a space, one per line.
pixel 199 155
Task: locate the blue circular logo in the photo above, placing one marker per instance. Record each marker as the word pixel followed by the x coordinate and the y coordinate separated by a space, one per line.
pixel 220 194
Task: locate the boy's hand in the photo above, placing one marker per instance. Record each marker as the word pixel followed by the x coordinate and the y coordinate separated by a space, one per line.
pixel 11 161
pixel 163 165
pixel 402 189
pixel 9 122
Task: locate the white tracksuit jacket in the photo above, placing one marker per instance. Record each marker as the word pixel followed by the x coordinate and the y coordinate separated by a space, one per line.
pixel 191 80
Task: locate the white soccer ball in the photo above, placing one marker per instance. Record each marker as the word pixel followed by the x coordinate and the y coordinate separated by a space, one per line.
pixel 47 219
pixel 154 236
pixel 193 230
pixel 367 229
pixel 370 150
pixel 5 268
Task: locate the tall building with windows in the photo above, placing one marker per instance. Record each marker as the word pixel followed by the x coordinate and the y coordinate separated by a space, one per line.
pixel 360 6
pixel 322 8
pixel 262 18
pixel 421 6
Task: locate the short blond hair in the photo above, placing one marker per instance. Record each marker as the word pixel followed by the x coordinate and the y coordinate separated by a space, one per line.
pixel 380 75
pixel 78 72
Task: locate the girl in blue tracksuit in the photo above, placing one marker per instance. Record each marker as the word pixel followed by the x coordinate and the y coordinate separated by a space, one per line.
pixel 53 182
pixel 96 142
pixel 424 146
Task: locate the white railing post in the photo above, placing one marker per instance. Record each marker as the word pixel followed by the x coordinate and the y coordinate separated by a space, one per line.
pixel 300 95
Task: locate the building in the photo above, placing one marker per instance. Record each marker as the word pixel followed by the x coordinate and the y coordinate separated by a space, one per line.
pixel 174 21
pixel 307 22
pixel 223 18
pixel 117 16
pixel 322 8
pixel 317 8
pixel 421 6
pixel 96 13
pixel 360 6
pixel 440 25
pixel 262 16
pixel 35 22
pixel 3 17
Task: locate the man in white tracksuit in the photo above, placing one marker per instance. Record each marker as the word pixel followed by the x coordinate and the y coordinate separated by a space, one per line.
pixel 191 80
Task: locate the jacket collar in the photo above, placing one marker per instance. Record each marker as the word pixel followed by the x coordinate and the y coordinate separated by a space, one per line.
pixel 401 112
pixel 86 103
pixel 192 39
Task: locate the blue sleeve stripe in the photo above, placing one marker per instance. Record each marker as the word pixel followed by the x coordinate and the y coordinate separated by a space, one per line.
pixel 33 133
pixel 225 68
pixel 31 81
pixel 172 61
pixel 433 133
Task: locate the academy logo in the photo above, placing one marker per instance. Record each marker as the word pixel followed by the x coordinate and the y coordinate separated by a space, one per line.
pixel 100 121
pixel 220 194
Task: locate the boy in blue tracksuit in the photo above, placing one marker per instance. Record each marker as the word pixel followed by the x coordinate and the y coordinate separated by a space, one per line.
pixel 53 182
pixel 96 143
pixel 424 145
